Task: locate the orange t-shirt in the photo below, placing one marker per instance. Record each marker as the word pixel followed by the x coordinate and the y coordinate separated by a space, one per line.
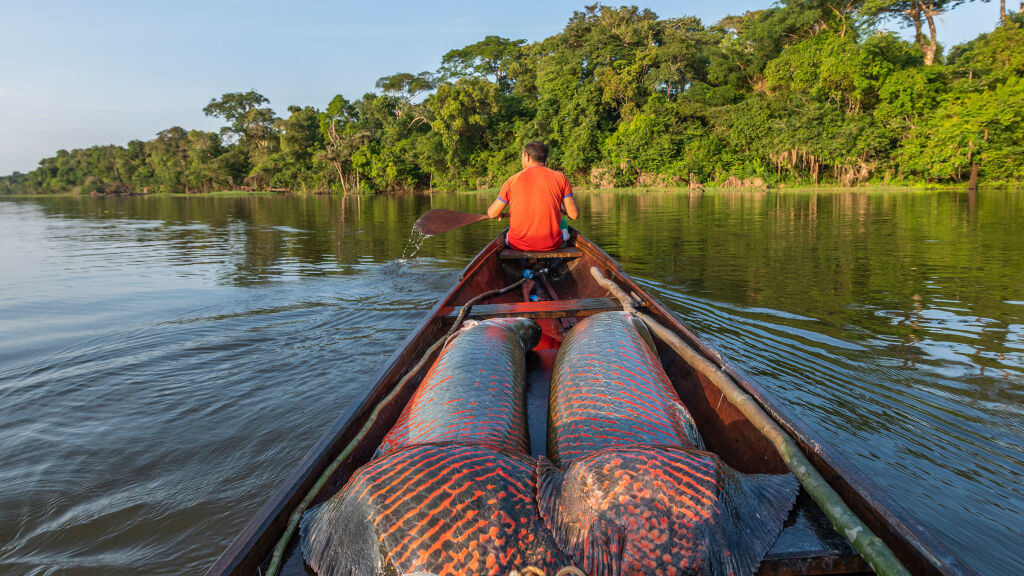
pixel 534 197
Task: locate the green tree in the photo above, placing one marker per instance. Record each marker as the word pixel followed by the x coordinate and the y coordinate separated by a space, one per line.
pixel 249 122
pixel 916 13
pixel 491 58
pixel 168 159
pixel 986 128
pixel 462 113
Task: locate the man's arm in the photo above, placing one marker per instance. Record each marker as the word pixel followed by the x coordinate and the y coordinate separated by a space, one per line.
pixel 571 210
pixel 495 209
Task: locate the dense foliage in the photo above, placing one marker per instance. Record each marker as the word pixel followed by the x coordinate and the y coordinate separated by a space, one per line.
pixel 802 92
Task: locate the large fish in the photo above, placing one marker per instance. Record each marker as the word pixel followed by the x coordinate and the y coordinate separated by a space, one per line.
pixel 608 389
pixel 636 494
pixel 452 489
pixel 444 509
pixel 475 392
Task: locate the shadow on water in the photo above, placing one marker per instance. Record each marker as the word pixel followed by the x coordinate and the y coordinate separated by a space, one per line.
pixel 168 360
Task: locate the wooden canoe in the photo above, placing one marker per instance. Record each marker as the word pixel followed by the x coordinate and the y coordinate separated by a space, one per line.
pixel 807 545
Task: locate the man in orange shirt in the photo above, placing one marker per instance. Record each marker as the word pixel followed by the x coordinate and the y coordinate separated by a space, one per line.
pixel 535 198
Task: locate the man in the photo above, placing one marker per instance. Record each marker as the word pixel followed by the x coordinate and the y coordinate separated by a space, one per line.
pixel 535 197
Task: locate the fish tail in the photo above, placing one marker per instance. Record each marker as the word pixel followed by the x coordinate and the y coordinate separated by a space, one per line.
pixel 434 508
pixel 754 507
pixel 337 539
pixel 595 546
pixel 662 510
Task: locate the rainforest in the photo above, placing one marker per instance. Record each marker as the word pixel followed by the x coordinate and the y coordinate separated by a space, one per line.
pixel 805 92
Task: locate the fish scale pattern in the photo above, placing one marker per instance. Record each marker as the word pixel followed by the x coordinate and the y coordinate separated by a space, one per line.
pixel 452 489
pixel 474 392
pixel 609 389
pixel 441 509
pixel 633 494
pixel 642 510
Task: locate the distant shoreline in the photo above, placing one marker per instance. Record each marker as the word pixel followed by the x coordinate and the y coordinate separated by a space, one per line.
pixel 653 189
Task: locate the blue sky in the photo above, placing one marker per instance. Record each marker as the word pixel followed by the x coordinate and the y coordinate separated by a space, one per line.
pixel 75 74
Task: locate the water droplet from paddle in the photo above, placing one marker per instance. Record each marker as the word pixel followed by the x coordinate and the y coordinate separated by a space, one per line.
pixel 413 244
pixel 412 248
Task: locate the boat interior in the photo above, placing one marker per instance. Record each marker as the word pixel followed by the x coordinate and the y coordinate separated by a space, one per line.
pixel 564 293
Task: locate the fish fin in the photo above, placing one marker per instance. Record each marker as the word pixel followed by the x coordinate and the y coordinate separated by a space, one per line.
pixel 337 539
pixel 753 508
pixel 549 487
pixel 689 426
pixel 382 450
pixel 594 542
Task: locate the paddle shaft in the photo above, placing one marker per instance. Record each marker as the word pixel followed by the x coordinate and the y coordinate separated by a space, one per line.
pixel 874 551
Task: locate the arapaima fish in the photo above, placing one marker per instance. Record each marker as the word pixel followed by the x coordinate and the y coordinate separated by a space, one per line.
pixel 444 509
pixel 475 392
pixel 635 494
pixel 452 489
pixel 608 389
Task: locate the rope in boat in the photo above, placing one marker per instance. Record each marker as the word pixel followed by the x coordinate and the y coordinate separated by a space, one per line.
pixel 296 517
pixel 864 541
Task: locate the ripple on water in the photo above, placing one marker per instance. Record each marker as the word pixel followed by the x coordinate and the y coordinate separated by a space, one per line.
pixel 111 436
pixel 917 416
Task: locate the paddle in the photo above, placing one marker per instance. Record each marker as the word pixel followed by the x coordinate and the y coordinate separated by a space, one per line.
pixel 436 221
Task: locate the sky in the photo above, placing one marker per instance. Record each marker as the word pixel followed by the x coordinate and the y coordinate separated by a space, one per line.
pixel 75 74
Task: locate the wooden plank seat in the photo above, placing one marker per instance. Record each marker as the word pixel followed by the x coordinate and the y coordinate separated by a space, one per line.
pixel 542 309
pixel 509 254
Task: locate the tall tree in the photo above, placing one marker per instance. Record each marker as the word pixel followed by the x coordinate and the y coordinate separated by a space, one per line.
pixel 404 88
pixel 249 121
pixel 462 113
pixel 680 56
pixel 343 137
pixel 489 58
pixel 168 154
pixel 916 13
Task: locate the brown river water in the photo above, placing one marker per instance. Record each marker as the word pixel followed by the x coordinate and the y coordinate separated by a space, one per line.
pixel 165 362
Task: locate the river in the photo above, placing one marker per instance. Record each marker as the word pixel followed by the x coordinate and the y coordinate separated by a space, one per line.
pixel 166 361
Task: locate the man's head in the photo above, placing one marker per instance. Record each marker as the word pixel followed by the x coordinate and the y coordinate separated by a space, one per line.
pixel 536 152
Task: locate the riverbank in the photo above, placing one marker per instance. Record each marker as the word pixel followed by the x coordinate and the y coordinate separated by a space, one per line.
pixel 784 188
pixel 802 188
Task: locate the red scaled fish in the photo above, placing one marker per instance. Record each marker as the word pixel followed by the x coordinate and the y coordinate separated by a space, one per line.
pixel 636 494
pixel 442 509
pixel 452 489
pixel 475 392
pixel 608 389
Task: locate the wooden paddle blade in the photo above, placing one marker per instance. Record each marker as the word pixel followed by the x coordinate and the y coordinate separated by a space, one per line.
pixel 437 221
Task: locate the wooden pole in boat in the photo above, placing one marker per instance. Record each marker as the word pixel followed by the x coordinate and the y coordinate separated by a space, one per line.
pixel 864 541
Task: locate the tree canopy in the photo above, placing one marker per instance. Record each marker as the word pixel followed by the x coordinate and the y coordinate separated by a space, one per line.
pixel 804 91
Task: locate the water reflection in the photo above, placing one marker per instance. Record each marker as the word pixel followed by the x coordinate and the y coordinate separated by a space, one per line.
pixel 202 344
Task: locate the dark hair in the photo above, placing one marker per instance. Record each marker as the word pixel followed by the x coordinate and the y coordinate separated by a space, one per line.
pixel 537 151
